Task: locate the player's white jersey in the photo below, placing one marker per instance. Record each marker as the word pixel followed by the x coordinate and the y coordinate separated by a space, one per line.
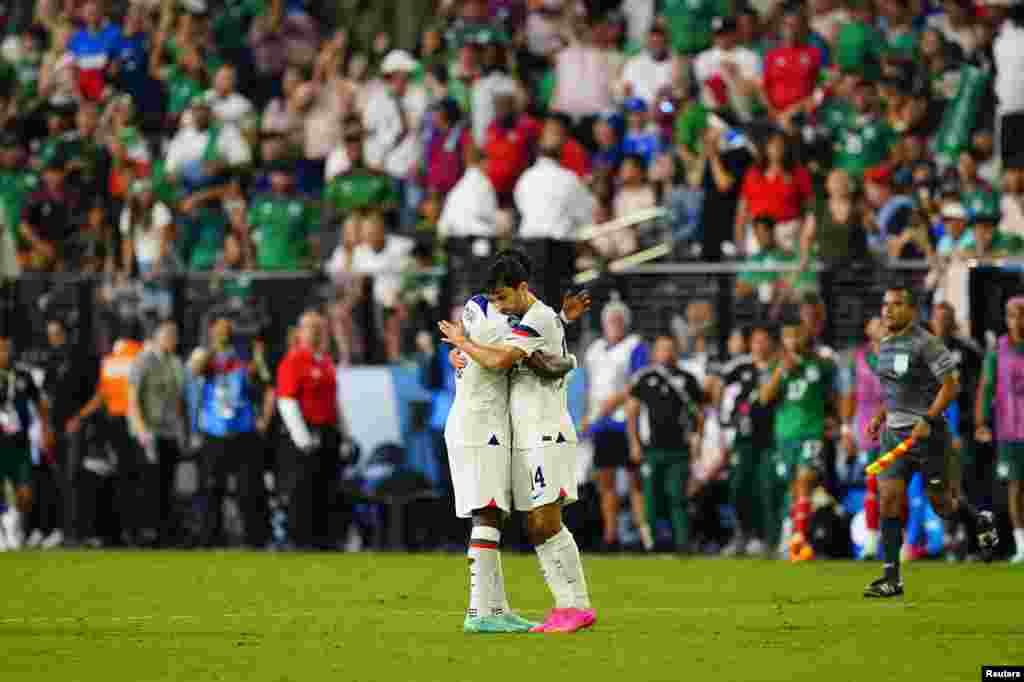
pixel 480 413
pixel 539 408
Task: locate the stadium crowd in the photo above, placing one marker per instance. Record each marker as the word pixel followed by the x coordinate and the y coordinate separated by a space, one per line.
pixel 150 139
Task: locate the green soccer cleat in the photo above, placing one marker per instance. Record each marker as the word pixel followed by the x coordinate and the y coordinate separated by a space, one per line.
pixel 517 622
pixel 490 625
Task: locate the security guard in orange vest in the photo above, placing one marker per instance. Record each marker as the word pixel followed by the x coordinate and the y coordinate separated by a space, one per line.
pixel 112 395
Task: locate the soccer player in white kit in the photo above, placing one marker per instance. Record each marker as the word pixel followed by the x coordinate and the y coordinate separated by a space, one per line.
pixel 543 458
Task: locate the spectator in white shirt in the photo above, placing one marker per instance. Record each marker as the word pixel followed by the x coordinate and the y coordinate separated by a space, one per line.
pixel 227 105
pixel 736 67
pixel 471 208
pixel 495 82
pixel 200 152
pixel 552 200
pixel 584 77
pixel 383 256
pixel 1008 51
pixel 391 114
pixel 647 73
pixel 639 15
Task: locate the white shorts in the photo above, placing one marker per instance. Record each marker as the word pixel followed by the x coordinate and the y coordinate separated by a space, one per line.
pixel 545 475
pixel 480 477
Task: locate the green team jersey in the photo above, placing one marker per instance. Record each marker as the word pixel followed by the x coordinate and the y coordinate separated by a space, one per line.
pixel 858 48
pixel 804 395
pixel 203 245
pixel 863 145
pixel 837 114
pixel 689 22
pixel 231 23
pixel 777 256
pixel 981 201
pixel 690 125
pixel 181 89
pixel 359 188
pixel 281 227
pixel 903 44
pixel 15 186
pixel 1003 245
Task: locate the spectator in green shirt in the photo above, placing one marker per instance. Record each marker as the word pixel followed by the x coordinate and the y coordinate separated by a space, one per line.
pixel 988 240
pixel 360 187
pixel 282 224
pixel 771 287
pixel 17 180
pixel 184 81
pixel 867 141
pixel 689 23
pixel 859 43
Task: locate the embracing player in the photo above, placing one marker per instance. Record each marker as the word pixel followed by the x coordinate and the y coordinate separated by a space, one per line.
pixel 543 471
pixel 920 379
pixel 478 438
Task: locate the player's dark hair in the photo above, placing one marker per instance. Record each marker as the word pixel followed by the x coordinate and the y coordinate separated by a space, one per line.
pixel 517 256
pixel 910 298
pixel 506 272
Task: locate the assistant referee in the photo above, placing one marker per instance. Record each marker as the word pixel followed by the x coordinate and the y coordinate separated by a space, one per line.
pixel 307 399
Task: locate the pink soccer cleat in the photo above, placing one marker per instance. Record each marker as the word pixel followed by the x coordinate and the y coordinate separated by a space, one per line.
pixel 567 620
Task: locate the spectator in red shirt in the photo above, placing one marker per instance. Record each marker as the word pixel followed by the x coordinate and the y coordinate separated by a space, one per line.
pixel 444 158
pixel 511 139
pixel 574 156
pixel 778 188
pixel 307 398
pixel 791 70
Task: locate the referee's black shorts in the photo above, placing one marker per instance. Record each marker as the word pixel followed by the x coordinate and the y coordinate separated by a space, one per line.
pixel 933 457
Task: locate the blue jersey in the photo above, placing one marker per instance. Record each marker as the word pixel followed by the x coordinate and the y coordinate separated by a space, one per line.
pixel 222 400
pixel 647 145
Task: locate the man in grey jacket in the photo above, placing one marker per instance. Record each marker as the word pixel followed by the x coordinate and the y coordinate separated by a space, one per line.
pixel 157 417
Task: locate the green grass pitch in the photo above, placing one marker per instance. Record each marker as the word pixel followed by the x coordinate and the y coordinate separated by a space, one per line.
pixel 197 617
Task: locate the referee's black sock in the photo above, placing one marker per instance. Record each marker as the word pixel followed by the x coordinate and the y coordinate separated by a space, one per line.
pixel 892 543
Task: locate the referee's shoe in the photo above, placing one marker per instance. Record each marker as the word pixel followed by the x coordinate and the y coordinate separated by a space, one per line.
pixel 884 587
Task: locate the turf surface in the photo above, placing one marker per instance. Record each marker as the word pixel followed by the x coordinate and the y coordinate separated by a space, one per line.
pixel 104 616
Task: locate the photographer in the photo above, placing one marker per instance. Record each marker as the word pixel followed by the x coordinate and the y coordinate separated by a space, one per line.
pixel 228 416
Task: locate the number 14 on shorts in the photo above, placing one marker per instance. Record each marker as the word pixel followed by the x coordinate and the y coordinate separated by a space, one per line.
pixel 537 483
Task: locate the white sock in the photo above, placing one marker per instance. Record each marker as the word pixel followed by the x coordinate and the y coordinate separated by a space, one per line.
pixel 483 565
pixel 12 524
pixel 563 570
pixel 499 600
pixel 1018 539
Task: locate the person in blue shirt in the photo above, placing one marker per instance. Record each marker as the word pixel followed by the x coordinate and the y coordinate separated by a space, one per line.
pixel 92 48
pixel 640 139
pixel 608 155
pixel 228 420
pixel 129 67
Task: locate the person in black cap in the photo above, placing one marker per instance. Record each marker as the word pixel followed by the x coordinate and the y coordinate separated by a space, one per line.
pixel 727 72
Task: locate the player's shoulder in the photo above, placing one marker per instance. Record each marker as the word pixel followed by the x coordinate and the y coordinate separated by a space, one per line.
pixel 475 309
pixel 538 318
